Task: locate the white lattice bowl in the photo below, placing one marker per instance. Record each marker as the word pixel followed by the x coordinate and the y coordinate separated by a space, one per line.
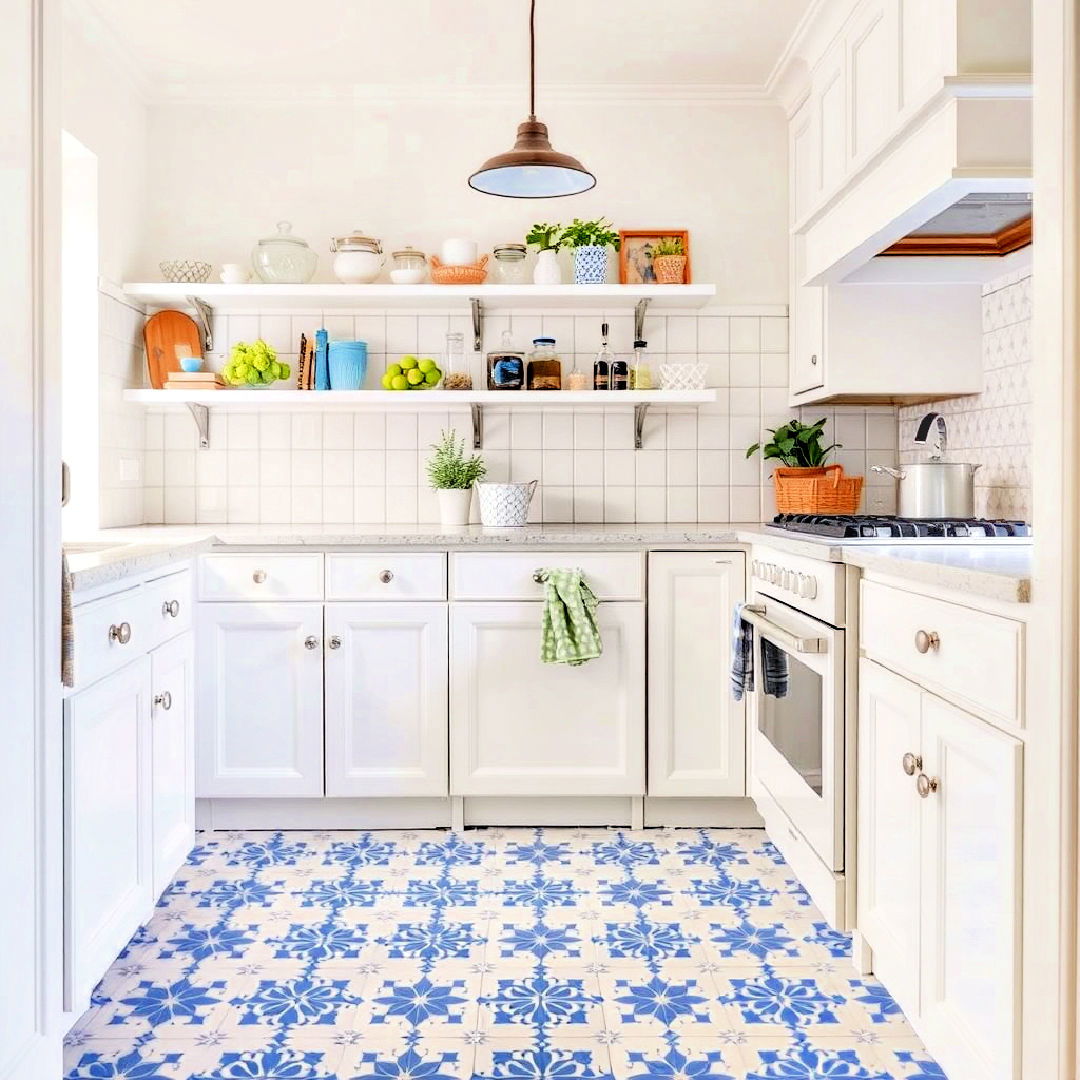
pixel 683 376
pixel 190 271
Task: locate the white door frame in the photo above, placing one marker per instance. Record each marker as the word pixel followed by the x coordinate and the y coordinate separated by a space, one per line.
pixel 31 885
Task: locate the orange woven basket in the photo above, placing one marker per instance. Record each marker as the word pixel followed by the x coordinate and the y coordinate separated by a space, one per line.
pixel 458 275
pixel 817 491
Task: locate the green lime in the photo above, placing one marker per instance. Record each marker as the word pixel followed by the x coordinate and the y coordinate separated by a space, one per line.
pixel 432 377
pixel 426 365
pixel 393 369
pixel 399 382
pixel 415 376
pixel 408 362
pixel 388 381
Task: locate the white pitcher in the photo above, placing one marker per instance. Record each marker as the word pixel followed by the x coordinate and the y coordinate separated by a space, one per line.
pixel 504 506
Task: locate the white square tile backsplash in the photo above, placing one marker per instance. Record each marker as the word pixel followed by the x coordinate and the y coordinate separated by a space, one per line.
pixel 337 467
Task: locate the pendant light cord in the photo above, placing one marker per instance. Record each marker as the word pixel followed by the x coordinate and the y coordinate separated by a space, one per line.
pixel 532 60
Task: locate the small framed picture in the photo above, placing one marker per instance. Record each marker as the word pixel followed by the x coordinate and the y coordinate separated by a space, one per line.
pixel 638 248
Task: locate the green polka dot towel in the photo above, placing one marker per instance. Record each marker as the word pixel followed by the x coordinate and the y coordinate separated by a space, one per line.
pixel 569 632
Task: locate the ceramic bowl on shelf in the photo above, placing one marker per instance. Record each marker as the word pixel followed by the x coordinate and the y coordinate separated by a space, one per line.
pixel 683 376
pixel 188 271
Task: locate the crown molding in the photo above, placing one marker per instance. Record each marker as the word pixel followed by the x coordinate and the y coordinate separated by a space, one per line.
pixel 99 32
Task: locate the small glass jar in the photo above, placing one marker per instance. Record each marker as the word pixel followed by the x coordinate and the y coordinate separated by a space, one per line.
pixel 545 367
pixel 506 366
pixel 284 259
pixel 640 370
pixel 410 267
pixel 577 380
pixel 510 264
pixel 455 375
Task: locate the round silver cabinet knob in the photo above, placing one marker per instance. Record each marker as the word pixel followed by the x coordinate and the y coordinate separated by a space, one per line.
pixel 386 576
pixel 120 634
pixel 170 608
pixel 912 763
pixel 334 642
pixel 925 641
pixel 926 785
pixel 311 642
pixel 164 700
pixel 259 577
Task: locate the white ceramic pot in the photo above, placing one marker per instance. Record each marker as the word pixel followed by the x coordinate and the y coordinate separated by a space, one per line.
pixel 358 259
pixel 505 506
pixel 459 252
pixel 547 270
pixel 454 506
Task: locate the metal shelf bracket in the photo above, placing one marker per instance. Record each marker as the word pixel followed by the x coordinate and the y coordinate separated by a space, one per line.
pixel 201 415
pixel 639 317
pixel 204 315
pixel 639 422
pixel 477 322
pixel 477 426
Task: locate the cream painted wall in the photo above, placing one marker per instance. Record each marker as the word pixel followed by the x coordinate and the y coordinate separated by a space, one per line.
pixel 221 176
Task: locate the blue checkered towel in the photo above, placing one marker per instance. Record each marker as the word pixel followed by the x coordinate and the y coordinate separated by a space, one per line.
pixel 773 660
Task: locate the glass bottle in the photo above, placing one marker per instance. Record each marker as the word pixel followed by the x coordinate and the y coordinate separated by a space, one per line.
pixel 510 264
pixel 602 364
pixel 455 376
pixel 545 367
pixel 640 372
pixel 506 366
pixel 620 374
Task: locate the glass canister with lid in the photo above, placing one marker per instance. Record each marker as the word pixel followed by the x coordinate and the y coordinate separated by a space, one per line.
pixel 284 259
pixel 506 366
pixel 410 267
pixel 545 367
pixel 357 259
pixel 510 264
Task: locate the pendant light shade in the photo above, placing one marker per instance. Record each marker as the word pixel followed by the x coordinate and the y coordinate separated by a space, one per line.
pixel 532 170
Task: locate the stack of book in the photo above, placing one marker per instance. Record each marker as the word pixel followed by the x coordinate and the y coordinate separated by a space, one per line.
pixel 194 380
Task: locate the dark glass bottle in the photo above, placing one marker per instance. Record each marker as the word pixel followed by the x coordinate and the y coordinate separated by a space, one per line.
pixel 620 375
pixel 601 371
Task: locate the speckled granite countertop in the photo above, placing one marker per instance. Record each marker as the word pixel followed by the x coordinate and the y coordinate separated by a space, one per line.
pixel 996 571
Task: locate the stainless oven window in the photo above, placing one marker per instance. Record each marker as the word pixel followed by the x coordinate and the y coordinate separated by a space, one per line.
pixel 794 724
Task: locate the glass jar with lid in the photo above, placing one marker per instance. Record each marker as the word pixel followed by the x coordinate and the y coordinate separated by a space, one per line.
pixel 545 367
pixel 410 267
pixel 510 264
pixel 358 259
pixel 284 259
pixel 506 366
pixel 455 372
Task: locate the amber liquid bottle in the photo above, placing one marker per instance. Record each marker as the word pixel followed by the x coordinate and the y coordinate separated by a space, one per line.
pixel 601 370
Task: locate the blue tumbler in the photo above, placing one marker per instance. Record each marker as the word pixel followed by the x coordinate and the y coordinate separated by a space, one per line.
pixel 347 364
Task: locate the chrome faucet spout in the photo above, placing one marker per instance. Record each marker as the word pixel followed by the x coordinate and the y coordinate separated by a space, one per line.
pixel 942 441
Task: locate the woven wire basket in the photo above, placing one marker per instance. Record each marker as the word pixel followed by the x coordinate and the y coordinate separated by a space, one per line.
pixel 188 271
pixel 683 376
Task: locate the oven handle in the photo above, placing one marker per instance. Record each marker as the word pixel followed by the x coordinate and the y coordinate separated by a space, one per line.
pixel 754 614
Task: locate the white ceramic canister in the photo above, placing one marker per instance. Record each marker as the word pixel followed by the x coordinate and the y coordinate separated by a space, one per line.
pixel 459 252
pixel 234 274
pixel 505 506
pixel 358 258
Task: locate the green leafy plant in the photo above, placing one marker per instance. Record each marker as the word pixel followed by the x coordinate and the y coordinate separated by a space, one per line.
pixel 668 245
pixel 254 365
pixel 545 237
pixel 796 445
pixel 596 233
pixel 448 467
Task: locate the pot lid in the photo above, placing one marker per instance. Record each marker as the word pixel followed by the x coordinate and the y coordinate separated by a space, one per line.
pixel 356 242
pixel 284 236
pixel 410 253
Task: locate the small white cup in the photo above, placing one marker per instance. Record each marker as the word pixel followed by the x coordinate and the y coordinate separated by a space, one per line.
pixel 234 274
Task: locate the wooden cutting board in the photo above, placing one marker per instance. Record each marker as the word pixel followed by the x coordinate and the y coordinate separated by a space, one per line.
pixel 162 333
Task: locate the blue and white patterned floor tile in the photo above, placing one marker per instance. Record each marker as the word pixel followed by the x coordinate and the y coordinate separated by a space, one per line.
pixel 500 954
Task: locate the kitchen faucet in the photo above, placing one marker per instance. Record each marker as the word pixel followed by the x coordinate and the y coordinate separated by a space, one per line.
pixel 942 441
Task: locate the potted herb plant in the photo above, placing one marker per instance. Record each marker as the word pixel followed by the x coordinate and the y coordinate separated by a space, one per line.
pixel 804 483
pixel 669 260
pixel 590 241
pixel 453 475
pixel 547 239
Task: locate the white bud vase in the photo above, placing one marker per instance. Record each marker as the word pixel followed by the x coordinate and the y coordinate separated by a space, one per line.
pixel 547 270
pixel 454 506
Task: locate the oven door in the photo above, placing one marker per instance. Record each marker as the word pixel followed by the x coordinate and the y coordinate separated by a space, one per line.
pixel 798 739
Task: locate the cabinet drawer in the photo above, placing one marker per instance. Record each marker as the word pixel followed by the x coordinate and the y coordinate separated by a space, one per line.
pixel 166 605
pixel 386 577
pixel 976 657
pixel 509 575
pixel 260 577
pixel 108 633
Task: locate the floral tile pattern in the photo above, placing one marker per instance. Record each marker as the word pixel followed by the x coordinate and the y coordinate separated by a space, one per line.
pixel 499 954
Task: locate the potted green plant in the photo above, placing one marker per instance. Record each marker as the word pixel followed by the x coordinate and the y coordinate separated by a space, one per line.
pixel 669 260
pixel 453 475
pixel 804 483
pixel 590 241
pixel 547 239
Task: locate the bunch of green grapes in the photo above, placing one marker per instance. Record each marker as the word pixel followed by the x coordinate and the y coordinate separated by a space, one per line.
pixel 254 365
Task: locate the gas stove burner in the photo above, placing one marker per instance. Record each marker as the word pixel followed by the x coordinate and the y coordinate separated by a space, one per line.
pixel 872 526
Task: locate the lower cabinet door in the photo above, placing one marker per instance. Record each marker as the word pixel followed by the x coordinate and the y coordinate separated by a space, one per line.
pixel 386 699
pixel 970 894
pixel 107 824
pixel 522 727
pixel 889 862
pixel 697 732
pixel 172 738
pixel 259 706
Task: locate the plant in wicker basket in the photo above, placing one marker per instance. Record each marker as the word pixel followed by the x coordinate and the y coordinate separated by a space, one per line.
pixel 804 483
pixel 669 260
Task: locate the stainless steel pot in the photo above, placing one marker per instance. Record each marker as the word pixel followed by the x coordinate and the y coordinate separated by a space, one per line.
pixel 935 489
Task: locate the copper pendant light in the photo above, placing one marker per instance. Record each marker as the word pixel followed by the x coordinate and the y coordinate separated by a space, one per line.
pixel 532 170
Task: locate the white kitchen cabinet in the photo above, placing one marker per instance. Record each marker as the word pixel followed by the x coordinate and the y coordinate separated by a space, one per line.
pixel 829 95
pixel 172 709
pixel 386 699
pixel 697 733
pixel 108 872
pixel 873 58
pixel 522 727
pixel 808 353
pixel 260 699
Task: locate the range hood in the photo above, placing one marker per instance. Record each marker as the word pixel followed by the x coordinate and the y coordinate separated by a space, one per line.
pixel 983 223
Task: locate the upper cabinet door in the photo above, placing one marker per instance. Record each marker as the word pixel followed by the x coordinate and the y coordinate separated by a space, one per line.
pixel 830 91
pixel 386 699
pixel 260 704
pixel 522 727
pixel 697 733
pixel 889 857
pixel 807 358
pixel 873 48
pixel 805 153
pixel 970 893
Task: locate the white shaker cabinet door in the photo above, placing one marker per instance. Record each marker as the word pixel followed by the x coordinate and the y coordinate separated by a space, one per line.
pixel 172 739
pixel 970 893
pixel 259 711
pixel 697 732
pixel 386 699
pixel 107 824
pixel 522 727
pixel 888 822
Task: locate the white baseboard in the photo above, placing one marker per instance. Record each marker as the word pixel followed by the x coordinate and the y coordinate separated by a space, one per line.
pixel 322 813
pixel 728 813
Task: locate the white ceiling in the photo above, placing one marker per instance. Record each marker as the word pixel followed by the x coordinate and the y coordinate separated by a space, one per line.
pixel 193 46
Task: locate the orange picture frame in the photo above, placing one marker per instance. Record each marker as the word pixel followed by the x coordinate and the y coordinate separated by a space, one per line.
pixel 634 262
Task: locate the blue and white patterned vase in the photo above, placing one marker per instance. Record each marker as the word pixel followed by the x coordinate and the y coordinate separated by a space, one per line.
pixel 590 265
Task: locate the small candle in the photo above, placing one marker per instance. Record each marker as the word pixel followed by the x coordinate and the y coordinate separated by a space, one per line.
pixel 577 380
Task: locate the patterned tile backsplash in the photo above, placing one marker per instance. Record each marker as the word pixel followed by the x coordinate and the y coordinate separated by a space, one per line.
pixel 337 467
pixel 993 428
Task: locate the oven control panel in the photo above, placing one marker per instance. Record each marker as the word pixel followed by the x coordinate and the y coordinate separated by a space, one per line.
pixel 815 586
